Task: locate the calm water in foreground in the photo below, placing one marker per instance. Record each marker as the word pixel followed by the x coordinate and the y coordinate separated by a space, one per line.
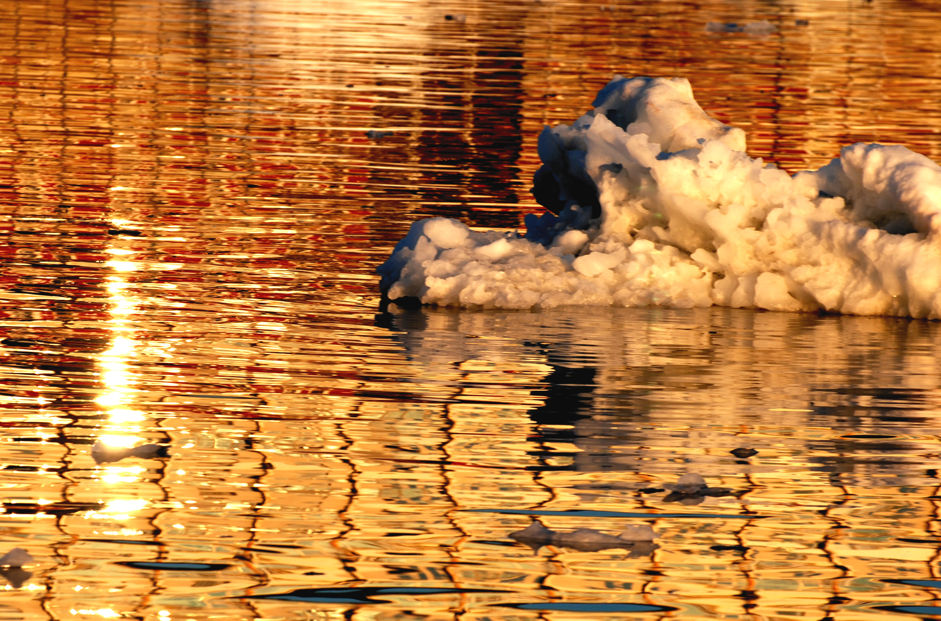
pixel 194 196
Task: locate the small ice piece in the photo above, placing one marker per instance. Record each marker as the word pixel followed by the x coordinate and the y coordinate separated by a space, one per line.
pixel 496 250
pixel 445 232
pixel 689 483
pixel 594 263
pixel 636 538
pixel 691 488
pixel 638 532
pixel 103 451
pixel 16 557
pixel 588 540
pixel 570 242
pixel 535 535
pixel 11 567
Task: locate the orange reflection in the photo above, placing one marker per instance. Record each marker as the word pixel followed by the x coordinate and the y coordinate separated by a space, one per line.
pixel 260 157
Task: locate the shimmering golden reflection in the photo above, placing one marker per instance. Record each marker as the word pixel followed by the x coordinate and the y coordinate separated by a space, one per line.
pixel 207 416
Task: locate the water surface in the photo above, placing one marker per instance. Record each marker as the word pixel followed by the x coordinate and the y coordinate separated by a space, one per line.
pixel 195 196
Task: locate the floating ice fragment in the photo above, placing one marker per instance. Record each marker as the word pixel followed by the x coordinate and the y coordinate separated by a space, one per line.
pixel 104 452
pixel 651 201
pixel 587 540
pixel 638 532
pixel 11 567
pixel 16 557
pixel 535 535
pixel 691 488
pixel 689 483
pixel 637 539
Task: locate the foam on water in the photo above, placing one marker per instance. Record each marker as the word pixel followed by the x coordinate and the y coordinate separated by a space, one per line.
pixel 653 202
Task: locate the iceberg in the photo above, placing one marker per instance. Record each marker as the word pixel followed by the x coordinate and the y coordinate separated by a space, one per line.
pixel 651 201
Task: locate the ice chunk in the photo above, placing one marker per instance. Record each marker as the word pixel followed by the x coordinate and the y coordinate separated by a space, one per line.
pixel 594 263
pixel 663 109
pixel 104 451
pixel 638 532
pixel 570 242
pixel 889 186
pixel 445 233
pixel 689 483
pixel 637 539
pixel 653 201
pixel 16 557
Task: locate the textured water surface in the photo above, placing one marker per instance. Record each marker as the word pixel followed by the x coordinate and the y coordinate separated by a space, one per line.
pixel 207 414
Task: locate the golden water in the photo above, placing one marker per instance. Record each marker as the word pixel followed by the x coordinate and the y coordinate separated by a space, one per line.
pixel 194 196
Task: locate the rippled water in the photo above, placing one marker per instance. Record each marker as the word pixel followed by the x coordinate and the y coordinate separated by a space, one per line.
pixel 194 199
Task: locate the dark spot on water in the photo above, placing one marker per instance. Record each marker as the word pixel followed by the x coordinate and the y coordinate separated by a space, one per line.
pixel 362 595
pixel 169 566
pixel 590 607
pixel 931 584
pixel 932 542
pixel 284 546
pixel 912 610
pixel 130 542
pixel 494 542
pixel 55 508
pixel 80 440
pixel 627 514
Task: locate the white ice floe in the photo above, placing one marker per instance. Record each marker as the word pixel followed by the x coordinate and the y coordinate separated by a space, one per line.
pixel 654 202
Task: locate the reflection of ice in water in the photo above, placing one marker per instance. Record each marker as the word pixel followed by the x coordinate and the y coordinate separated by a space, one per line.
pixel 657 203
pixel 11 567
pixel 655 386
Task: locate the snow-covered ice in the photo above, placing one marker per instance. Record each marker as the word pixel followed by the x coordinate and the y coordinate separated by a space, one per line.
pixel 650 201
